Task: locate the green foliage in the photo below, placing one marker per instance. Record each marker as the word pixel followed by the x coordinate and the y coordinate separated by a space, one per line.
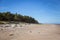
pixel 8 16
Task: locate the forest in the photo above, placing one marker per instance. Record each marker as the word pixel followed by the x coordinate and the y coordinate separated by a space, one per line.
pixel 8 16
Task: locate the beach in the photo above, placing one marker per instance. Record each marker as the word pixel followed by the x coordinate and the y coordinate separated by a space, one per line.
pixel 30 32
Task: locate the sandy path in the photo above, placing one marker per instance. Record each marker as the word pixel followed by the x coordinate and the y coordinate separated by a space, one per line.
pixel 31 32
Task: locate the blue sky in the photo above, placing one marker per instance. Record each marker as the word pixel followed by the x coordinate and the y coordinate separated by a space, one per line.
pixel 45 11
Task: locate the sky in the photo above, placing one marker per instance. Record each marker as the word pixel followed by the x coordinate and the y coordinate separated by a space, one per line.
pixel 44 11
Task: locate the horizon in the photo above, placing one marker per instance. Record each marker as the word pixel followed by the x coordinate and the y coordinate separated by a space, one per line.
pixel 44 11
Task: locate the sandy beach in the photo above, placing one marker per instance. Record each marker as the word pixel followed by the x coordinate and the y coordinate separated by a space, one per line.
pixel 30 32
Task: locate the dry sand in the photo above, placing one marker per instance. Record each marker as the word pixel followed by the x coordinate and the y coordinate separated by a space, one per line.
pixel 31 32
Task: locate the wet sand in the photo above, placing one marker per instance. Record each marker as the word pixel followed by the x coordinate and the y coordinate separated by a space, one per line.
pixel 31 32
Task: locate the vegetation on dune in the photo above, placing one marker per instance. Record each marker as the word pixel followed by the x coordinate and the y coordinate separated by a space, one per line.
pixel 8 16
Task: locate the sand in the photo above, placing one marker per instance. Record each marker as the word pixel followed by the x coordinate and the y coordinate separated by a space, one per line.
pixel 31 32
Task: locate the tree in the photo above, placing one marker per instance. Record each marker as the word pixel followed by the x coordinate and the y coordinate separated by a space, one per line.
pixel 8 16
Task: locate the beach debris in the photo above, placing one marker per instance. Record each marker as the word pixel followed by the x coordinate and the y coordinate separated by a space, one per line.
pixel 11 34
pixel 38 32
pixel 7 26
pixel 15 25
pixel 25 24
pixel 1 29
pixel 1 26
pixel 30 31
pixel 20 25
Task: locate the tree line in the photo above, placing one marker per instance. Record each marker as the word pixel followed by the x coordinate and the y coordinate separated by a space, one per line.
pixel 8 16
